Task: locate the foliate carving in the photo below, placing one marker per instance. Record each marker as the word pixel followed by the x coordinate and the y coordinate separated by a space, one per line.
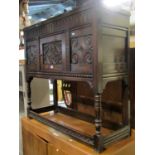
pixel 32 54
pixel 82 50
pixel 52 53
pixel 88 57
pixel 74 58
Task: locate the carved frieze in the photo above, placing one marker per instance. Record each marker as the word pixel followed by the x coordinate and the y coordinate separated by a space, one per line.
pixel 58 24
pixel 81 50
pixel 32 34
pixel 66 22
pixel 52 53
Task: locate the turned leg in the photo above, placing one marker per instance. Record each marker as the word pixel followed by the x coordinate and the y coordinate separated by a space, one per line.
pixel 98 122
pixel 55 95
pixel 29 102
pixel 126 104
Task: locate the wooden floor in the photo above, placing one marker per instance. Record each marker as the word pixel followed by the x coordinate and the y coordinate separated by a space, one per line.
pixel 75 124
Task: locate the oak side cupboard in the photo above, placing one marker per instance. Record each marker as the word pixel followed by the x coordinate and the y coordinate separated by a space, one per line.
pixel 87 49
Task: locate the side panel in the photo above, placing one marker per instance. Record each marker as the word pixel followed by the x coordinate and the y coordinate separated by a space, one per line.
pixel 114 51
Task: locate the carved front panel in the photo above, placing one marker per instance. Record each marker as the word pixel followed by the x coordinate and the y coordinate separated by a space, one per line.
pixel 52 53
pixel 81 52
pixel 32 52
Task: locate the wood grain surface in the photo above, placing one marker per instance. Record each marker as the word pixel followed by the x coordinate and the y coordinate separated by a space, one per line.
pixel 56 143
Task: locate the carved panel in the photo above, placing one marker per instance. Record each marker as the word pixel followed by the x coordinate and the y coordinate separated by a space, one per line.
pixel 32 54
pixel 52 53
pixel 81 50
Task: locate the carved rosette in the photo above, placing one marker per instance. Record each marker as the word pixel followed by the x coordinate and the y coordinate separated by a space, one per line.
pixel 52 53
pixel 32 54
pixel 82 50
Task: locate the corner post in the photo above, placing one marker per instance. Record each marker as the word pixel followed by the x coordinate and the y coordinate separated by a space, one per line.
pixel 126 104
pixel 29 102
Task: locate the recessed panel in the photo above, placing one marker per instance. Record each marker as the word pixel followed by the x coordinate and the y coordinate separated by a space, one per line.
pixel 81 51
pixel 32 55
pixel 53 53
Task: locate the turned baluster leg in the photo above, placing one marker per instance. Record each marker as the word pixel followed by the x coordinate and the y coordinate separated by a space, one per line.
pixel 29 102
pixel 126 104
pixel 55 95
pixel 98 122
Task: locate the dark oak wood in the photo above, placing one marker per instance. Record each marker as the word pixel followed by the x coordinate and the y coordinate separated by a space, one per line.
pixel 98 121
pixel 88 44
pixel 132 84
pixel 29 102
pixel 55 94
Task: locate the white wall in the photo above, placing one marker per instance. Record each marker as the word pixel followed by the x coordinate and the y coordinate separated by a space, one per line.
pixel 40 93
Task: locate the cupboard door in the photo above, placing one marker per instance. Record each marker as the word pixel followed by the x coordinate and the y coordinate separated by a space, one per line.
pixel 81 50
pixel 32 55
pixel 52 150
pixel 53 51
pixel 33 144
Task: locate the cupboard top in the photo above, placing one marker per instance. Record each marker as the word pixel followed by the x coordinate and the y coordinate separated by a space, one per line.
pixel 82 15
